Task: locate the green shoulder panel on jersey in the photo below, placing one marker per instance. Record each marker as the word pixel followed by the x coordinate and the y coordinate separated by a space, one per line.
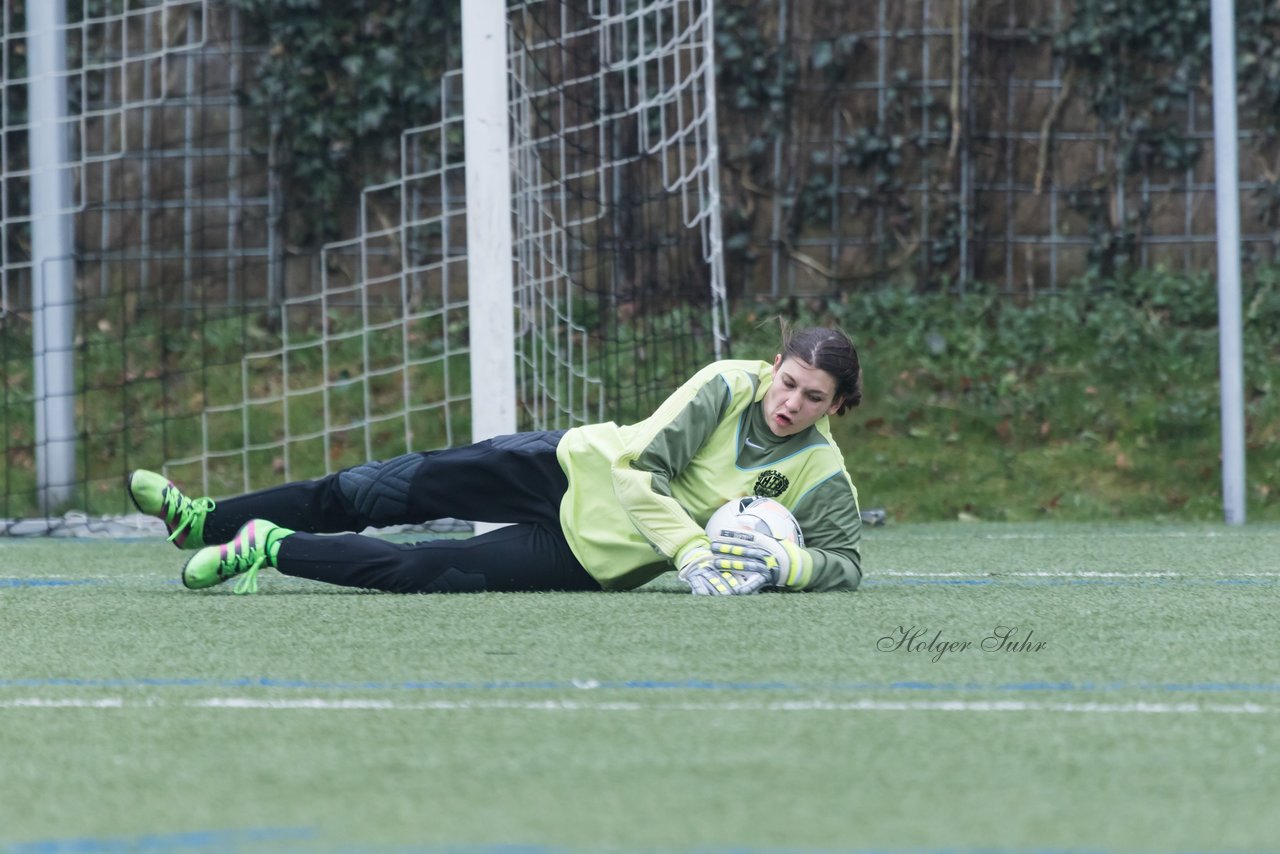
pixel 668 447
pixel 651 477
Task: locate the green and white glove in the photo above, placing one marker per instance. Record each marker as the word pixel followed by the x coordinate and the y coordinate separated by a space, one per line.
pixel 708 575
pixel 783 563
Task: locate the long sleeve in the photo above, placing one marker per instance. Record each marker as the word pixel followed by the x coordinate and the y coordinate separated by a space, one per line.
pixel 829 516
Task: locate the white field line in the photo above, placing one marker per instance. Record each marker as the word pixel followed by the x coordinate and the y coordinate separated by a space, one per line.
pixel 1268 533
pixel 976 706
pixel 1069 573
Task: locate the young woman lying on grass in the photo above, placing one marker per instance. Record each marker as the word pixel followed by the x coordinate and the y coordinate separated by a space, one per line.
pixel 597 507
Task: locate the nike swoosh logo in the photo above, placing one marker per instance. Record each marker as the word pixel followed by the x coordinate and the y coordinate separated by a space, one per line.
pixel 751 444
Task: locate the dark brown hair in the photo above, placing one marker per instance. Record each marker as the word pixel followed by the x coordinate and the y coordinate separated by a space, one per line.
pixel 830 350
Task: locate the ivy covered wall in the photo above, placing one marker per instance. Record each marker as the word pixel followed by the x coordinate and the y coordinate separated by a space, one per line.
pixel 925 143
pixel 1017 142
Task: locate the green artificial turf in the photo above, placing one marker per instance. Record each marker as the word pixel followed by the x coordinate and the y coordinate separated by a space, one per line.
pixel 1137 711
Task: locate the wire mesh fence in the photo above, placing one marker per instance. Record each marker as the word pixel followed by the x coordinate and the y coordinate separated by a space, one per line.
pixel 269 267
pixel 935 143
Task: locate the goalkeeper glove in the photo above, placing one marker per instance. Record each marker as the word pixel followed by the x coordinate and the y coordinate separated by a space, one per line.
pixel 708 575
pixel 783 563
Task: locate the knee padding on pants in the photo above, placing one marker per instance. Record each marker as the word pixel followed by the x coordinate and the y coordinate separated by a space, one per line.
pixel 529 443
pixel 454 580
pixel 379 491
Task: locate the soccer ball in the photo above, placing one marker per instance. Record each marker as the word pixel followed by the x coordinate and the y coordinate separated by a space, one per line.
pixel 753 513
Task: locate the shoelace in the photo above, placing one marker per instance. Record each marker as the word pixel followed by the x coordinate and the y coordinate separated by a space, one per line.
pixel 248 582
pixel 189 510
pixel 246 576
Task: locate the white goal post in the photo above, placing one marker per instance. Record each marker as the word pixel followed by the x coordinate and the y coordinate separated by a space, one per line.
pixel 490 263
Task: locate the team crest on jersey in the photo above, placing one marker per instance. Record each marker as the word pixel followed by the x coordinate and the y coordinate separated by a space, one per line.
pixel 771 484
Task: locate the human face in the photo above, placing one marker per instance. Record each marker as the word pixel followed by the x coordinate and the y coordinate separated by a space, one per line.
pixel 799 396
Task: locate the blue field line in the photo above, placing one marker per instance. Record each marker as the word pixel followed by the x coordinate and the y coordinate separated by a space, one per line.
pixel 871 581
pixel 254 839
pixel 917 582
pixel 48 582
pixel 302 841
pixel 699 685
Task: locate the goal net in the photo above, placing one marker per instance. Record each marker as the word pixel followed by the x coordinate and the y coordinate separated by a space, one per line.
pixel 208 342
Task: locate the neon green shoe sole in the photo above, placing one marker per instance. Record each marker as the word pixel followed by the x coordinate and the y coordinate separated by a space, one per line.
pixel 155 495
pixel 253 547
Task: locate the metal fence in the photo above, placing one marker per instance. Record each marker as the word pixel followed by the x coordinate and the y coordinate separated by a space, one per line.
pixel 930 143
pixel 208 322
pixel 934 143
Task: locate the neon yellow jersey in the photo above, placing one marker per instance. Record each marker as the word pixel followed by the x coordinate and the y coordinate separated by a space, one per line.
pixel 639 495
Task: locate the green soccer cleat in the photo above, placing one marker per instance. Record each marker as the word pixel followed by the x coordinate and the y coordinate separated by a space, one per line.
pixel 155 495
pixel 255 545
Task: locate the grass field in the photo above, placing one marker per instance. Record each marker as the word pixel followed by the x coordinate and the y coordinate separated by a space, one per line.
pixel 1134 708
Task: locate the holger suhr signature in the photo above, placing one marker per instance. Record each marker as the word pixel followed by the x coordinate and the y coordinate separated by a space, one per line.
pixel 928 641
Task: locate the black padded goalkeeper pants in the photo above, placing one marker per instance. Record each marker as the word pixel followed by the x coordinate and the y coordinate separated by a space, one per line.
pixel 511 479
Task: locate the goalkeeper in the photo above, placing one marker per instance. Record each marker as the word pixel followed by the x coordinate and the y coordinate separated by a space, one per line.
pixel 597 507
